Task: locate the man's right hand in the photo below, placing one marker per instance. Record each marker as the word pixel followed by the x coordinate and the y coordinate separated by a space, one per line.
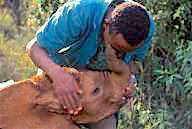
pixel 67 89
pixel 64 84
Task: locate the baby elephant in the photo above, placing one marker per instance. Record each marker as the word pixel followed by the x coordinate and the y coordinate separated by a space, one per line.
pixel 32 103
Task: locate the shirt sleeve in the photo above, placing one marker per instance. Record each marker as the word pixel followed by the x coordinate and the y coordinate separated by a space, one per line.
pixel 64 27
pixel 140 53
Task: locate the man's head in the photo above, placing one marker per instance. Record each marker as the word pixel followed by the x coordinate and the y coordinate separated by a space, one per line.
pixel 126 26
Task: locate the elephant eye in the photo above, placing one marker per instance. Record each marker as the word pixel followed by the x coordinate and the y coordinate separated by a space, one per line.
pixel 96 91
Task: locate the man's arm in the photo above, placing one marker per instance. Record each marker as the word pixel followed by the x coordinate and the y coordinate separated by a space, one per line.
pixel 64 84
pixel 40 57
pixel 60 31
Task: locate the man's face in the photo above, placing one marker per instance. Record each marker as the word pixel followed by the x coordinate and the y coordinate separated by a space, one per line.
pixel 117 42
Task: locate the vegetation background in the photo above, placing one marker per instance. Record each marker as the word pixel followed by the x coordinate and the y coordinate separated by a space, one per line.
pixel 163 98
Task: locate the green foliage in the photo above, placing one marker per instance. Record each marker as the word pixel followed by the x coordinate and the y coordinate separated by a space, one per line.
pixel 40 11
pixel 164 90
pixel 14 62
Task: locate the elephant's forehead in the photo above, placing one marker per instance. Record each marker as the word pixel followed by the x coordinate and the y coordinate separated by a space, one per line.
pixel 92 78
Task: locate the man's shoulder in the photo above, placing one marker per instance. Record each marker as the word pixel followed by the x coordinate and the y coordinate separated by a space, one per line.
pixel 83 3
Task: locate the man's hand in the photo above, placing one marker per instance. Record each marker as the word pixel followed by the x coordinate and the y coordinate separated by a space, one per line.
pixel 67 90
pixel 64 84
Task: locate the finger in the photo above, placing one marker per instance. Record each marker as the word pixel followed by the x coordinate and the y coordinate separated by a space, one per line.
pixel 128 89
pixel 72 103
pixel 78 110
pixel 111 50
pixel 129 92
pixel 77 88
pixel 67 102
pixel 124 99
pixel 61 99
pixel 102 74
pixel 106 75
pixel 77 100
pixel 78 103
pixel 109 76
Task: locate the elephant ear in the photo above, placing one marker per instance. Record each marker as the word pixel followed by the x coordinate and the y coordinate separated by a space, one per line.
pixel 48 101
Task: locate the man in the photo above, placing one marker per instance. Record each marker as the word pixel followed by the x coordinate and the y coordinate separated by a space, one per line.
pixel 76 36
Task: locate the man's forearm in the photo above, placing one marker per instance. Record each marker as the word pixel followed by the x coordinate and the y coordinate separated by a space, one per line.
pixel 64 84
pixel 40 57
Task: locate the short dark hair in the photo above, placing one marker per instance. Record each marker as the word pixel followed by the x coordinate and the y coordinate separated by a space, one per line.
pixel 132 21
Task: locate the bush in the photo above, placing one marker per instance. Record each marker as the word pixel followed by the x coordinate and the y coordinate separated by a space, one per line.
pixel 163 96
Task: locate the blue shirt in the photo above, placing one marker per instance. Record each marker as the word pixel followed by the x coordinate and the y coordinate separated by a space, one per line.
pixel 72 35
